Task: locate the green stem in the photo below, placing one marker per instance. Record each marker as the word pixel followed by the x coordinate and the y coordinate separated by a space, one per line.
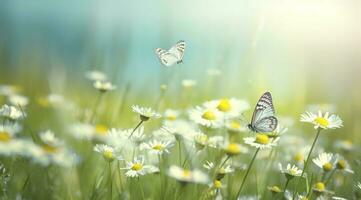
pixel 160 175
pixel 140 188
pixel 224 162
pixel 110 180
pixel 95 108
pixel 306 163
pixel 248 170
pixel 138 125
pixel 179 152
pixel 329 177
pixel 120 177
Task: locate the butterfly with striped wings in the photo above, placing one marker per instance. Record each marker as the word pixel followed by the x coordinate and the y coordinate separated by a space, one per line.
pixel 172 56
pixel 263 119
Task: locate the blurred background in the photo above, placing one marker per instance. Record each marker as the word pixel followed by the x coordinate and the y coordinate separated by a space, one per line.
pixel 304 52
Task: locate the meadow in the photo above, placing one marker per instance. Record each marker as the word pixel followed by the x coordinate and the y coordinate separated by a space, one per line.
pixel 241 100
pixel 97 143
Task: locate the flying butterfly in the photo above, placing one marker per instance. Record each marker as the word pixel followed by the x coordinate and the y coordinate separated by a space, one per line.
pixel 172 56
pixel 263 119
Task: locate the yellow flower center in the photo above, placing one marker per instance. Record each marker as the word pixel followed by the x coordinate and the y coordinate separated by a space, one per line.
pixel 171 117
pixel 49 149
pixel 224 105
pixel 320 186
pixel 209 115
pixel 186 173
pixel 233 149
pixel 275 189
pixel 327 166
pixel 262 139
pixel 341 164
pixel 323 122
pixel 158 147
pixel 298 157
pixel 101 129
pixel 235 125
pixel 137 167
pixel 108 155
pixel 217 184
pixel 4 136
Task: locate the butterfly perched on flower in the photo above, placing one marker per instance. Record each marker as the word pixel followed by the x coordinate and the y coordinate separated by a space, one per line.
pixel 172 56
pixel 263 119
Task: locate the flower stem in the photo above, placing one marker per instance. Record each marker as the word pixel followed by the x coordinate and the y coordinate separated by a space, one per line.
pixel 179 152
pixel 248 170
pixel 224 162
pixel 141 188
pixel 330 176
pixel 140 123
pixel 160 175
pixel 286 185
pixel 306 163
pixel 95 108
pixel 110 180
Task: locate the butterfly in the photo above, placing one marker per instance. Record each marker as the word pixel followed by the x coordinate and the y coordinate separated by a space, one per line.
pixel 172 56
pixel 263 119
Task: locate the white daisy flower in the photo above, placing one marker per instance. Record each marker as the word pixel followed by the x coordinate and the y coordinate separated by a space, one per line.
pixel 137 168
pixel 320 188
pixel 234 126
pixel 225 169
pixel 343 165
pixel 180 129
pixel 325 121
pixel 18 100
pixel 188 176
pixel 52 151
pixel 290 171
pixel 261 141
pixel 157 147
pixel 11 112
pixel 209 117
pixel 145 113
pixel 323 161
pixel 88 131
pixel 188 83
pixel 216 141
pixel 171 115
pixel 8 131
pixel 231 108
pixel 345 145
pixel 103 86
pixel 233 149
pixel 109 153
pixel 96 76
pixel 48 138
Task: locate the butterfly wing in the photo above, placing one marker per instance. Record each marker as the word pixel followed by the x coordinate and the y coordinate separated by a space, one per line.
pixel 165 57
pixel 178 50
pixel 267 124
pixel 263 110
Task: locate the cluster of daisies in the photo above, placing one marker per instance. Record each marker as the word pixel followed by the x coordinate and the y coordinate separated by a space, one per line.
pixel 207 145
